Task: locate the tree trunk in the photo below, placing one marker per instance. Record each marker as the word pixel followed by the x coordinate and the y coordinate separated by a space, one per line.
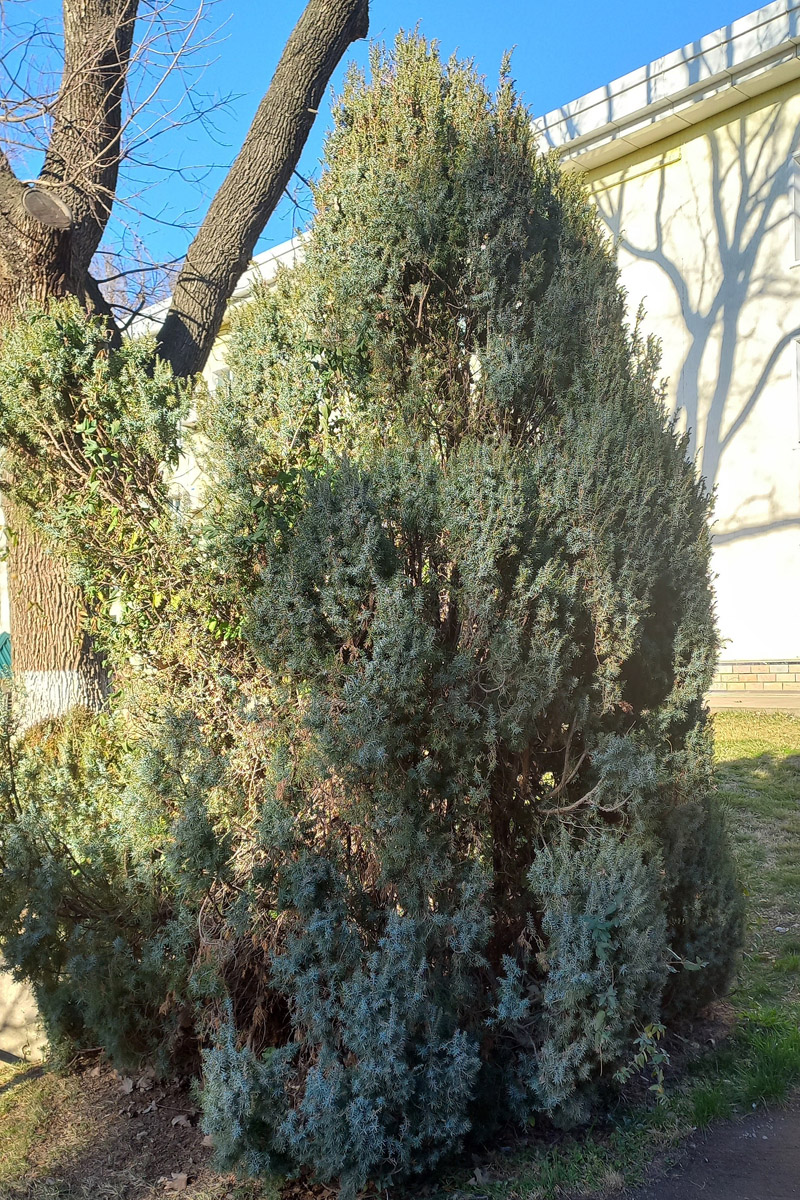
pixel 34 260
pixel 52 657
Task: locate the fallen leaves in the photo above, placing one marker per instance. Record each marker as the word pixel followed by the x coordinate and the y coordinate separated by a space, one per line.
pixel 177 1182
pixel 126 1120
pixel 146 1080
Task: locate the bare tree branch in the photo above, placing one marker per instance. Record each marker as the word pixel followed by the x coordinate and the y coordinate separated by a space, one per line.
pixel 225 242
pixel 84 150
pixel 98 303
pixel 10 186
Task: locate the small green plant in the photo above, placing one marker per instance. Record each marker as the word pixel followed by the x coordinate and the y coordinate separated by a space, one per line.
pixel 107 855
pixel 650 1058
pixel 772 1064
pixel 710 1103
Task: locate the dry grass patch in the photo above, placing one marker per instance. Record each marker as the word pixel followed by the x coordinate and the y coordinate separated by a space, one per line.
pixel 90 1135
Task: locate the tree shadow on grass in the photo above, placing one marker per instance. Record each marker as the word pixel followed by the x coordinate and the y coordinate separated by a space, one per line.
pixel 84 1135
pixel 767 784
pixel 33 1072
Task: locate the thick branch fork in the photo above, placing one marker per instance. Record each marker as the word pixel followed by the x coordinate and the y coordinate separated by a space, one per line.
pixel 224 245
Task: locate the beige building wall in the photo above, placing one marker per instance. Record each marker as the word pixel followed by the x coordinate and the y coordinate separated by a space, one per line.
pixel 692 163
pixel 706 231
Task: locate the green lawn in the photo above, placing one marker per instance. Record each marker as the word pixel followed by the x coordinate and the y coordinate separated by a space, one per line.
pixel 46 1120
pixel 759 781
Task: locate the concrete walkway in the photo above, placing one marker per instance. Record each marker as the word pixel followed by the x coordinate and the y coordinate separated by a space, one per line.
pixel 21 1034
pixel 754 1159
pixel 755 701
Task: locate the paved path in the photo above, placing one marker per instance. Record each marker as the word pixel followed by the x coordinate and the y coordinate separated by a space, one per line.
pixel 754 1159
pixel 20 1032
pixel 755 701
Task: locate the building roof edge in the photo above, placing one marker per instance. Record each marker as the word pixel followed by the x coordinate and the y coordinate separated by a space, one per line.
pixel 721 69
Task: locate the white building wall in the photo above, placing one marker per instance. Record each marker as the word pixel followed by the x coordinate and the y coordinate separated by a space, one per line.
pixel 691 161
pixel 704 223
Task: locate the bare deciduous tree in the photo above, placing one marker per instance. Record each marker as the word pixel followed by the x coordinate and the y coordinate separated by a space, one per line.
pixel 51 229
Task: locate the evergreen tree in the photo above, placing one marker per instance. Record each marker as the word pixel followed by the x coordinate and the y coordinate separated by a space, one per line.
pixel 484 581
pixel 407 820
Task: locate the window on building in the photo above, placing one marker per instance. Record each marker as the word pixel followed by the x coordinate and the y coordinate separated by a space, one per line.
pixel 5 654
pixel 795 211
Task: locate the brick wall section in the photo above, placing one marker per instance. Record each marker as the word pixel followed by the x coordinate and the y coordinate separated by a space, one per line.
pixel 757 676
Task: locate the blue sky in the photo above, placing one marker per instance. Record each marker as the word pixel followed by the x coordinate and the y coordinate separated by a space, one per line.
pixel 561 51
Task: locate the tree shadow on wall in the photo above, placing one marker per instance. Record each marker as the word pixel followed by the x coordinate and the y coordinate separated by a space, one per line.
pixel 717 278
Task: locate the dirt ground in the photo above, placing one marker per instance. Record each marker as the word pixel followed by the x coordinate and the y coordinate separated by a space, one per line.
pixel 757 1158
pixel 111 1136
pixel 134 1139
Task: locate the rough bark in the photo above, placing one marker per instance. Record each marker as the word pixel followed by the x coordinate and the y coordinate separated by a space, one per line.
pixel 224 245
pixel 34 260
pixel 52 656
pixel 81 166
pixel 52 659
pixel 83 155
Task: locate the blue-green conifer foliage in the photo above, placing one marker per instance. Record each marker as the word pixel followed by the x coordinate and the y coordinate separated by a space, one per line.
pixel 409 820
